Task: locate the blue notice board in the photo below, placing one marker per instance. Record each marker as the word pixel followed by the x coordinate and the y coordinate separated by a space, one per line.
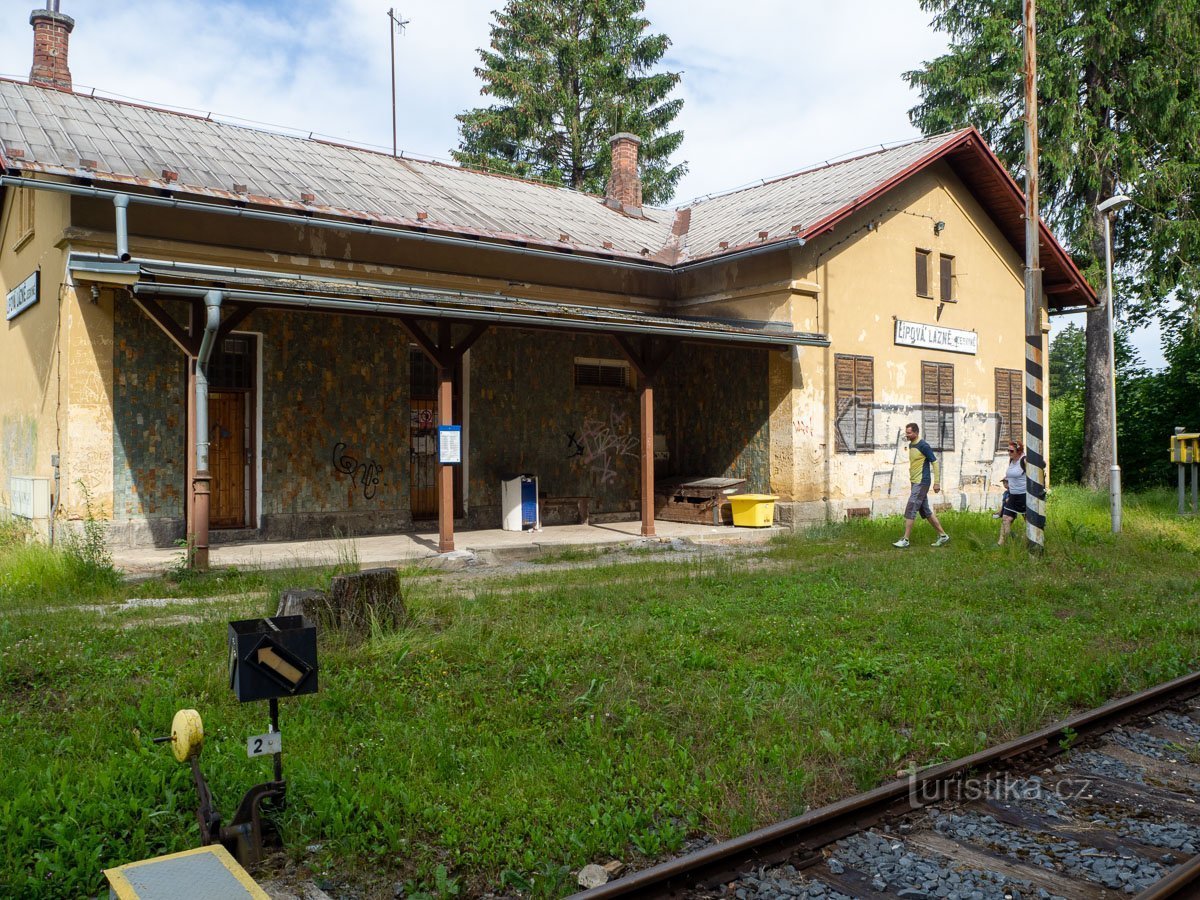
pixel 450 445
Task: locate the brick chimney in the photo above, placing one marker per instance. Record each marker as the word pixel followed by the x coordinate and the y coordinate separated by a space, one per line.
pixel 625 183
pixel 51 31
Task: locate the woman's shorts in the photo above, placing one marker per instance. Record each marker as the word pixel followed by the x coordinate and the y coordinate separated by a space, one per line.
pixel 1014 505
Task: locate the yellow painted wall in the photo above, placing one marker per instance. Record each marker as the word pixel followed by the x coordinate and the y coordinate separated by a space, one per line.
pixel 87 339
pixel 29 343
pixel 866 271
pixel 57 372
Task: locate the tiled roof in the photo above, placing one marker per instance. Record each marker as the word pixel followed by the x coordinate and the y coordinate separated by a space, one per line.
pixel 797 203
pixel 74 134
pixel 46 130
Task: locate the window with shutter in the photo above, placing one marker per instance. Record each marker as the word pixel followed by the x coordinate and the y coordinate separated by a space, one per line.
pixel 609 373
pixel 946 279
pixel 923 273
pixel 853 426
pixel 937 405
pixel 1009 407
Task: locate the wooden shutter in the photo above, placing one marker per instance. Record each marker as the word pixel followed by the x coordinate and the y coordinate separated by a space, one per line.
pixel 853 425
pixel 864 394
pixel 946 278
pixel 923 274
pixel 946 407
pixel 937 405
pixel 1009 407
pixel 844 378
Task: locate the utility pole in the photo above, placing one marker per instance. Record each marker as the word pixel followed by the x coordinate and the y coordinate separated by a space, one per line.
pixel 397 24
pixel 1035 427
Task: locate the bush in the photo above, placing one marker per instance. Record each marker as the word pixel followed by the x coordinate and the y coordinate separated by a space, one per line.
pixel 1066 439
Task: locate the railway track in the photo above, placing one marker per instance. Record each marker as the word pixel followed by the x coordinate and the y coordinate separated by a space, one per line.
pixel 1105 804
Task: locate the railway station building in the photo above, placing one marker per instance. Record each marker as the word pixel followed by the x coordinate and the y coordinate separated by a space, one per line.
pixel 212 328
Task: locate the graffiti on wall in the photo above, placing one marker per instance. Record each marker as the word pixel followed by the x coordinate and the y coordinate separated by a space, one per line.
pixel 969 460
pixel 599 444
pixel 365 473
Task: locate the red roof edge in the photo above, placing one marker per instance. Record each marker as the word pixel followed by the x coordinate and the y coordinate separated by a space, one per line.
pixel 967 140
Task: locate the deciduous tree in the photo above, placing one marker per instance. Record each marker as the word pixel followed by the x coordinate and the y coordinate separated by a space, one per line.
pixel 566 76
pixel 1119 96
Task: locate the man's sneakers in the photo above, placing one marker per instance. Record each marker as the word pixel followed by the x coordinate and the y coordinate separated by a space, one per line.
pixel 942 541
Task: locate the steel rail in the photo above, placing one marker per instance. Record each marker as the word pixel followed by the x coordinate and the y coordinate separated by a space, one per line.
pixel 1182 881
pixel 821 826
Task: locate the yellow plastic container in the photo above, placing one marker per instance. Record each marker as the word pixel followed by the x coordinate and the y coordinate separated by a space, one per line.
pixel 753 510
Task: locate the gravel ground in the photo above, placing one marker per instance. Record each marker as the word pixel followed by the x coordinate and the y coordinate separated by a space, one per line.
pixel 1183 724
pixel 1147 745
pixel 1122 870
pixel 1032 794
pixel 896 868
pixel 1171 835
pixel 1094 763
pixel 783 882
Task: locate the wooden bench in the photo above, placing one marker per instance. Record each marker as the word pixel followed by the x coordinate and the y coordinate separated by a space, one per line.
pixel 582 504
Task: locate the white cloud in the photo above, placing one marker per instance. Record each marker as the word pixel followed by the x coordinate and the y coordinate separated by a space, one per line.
pixel 769 86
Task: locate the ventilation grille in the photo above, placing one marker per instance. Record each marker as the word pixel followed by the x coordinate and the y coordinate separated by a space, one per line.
pixel 608 373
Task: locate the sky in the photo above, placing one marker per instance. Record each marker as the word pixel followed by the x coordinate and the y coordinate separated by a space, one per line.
pixel 769 86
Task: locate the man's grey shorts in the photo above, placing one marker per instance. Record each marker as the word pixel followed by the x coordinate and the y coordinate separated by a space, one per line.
pixel 918 502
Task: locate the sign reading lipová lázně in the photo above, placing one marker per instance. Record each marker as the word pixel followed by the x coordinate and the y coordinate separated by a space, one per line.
pixel 935 337
pixel 23 296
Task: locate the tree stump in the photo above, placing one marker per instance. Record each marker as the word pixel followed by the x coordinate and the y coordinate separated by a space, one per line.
pixel 355 604
pixel 297 602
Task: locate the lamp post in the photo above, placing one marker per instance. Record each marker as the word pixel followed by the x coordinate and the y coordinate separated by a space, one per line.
pixel 1106 209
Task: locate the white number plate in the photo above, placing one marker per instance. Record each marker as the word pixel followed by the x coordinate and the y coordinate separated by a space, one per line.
pixel 264 744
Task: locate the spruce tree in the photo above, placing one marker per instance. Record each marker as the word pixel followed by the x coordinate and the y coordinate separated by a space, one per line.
pixel 1118 102
pixel 566 76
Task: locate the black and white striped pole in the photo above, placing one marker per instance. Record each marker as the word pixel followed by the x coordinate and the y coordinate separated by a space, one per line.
pixel 1035 420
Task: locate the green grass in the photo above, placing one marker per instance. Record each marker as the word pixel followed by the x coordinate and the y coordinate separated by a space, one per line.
pixel 526 725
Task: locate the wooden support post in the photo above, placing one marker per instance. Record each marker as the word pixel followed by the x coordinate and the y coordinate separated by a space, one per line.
pixel 445 417
pixel 189 525
pixel 647 458
pixel 648 359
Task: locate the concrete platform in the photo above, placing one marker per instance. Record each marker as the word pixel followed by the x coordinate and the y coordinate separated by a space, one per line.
pixel 488 547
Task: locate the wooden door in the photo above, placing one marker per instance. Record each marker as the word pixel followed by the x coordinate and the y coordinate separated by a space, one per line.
pixel 227 454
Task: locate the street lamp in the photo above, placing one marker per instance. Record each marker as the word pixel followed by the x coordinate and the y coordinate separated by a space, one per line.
pixel 1106 209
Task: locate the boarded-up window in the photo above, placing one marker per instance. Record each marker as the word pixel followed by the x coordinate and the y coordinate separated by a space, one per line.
pixel 1009 406
pixel 611 373
pixel 853 425
pixel 937 405
pixel 946 279
pixel 923 273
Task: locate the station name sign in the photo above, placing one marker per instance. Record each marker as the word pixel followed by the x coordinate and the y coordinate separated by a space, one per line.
pixel 935 337
pixel 23 296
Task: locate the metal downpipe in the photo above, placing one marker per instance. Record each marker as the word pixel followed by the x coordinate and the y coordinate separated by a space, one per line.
pixel 202 481
pixel 121 203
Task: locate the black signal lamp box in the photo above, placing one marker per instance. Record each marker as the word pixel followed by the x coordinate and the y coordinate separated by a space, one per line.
pixel 272 657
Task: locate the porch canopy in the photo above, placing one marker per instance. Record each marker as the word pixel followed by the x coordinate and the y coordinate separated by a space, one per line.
pixel 443 323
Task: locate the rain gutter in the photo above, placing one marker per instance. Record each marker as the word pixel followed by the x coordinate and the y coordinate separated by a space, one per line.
pixel 122 200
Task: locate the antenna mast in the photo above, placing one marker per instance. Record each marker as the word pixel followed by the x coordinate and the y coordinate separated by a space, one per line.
pixel 398 24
